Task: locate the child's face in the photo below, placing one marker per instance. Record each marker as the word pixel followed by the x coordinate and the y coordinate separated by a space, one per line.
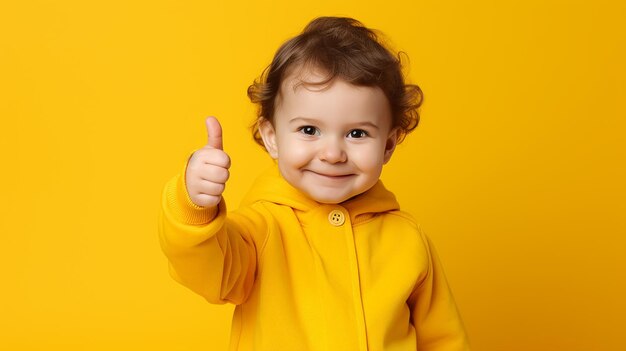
pixel 331 144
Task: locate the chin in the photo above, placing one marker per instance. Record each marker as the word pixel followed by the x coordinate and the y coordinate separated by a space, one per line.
pixel 333 199
pixel 329 200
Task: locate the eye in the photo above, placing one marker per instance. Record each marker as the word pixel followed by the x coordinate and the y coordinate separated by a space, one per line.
pixel 357 133
pixel 309 130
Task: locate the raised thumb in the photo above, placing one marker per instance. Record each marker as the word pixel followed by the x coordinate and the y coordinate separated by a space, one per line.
pixel 214 132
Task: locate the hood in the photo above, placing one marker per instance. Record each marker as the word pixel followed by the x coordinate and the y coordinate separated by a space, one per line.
pixel 271 186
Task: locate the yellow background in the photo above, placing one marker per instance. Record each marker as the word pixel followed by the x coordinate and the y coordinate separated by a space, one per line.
pixel 516 170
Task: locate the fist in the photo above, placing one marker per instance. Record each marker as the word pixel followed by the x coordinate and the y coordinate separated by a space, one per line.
pixel 207 168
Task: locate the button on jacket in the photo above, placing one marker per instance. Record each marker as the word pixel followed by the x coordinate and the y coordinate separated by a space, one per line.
pixel 359 275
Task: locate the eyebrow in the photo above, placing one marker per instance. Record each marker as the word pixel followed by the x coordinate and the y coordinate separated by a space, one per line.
pixel 315 121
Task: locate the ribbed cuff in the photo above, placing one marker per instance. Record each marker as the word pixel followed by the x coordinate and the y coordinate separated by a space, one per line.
pixel 181 206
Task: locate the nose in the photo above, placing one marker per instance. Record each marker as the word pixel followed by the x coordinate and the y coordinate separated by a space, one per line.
pixel 333 151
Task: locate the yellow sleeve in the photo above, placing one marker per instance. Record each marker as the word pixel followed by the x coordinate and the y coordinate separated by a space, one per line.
pixel 434 313
pixel 208 252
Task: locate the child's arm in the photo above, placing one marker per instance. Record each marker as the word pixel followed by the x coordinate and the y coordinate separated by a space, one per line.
pixel 209 253
pixel 434 313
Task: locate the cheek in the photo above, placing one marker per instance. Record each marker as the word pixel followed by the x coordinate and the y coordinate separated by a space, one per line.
pixel 370 158
pixel 294 154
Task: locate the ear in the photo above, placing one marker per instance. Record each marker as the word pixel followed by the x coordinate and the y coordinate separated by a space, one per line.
pixel 268 134
pixel 390 144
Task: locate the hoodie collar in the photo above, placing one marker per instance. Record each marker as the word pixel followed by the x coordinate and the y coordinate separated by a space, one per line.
pixel 272 187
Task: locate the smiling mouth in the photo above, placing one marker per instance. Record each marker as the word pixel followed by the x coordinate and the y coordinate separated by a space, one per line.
pixel 332 176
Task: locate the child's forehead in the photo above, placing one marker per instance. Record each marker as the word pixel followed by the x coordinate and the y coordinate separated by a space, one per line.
pixel 299 95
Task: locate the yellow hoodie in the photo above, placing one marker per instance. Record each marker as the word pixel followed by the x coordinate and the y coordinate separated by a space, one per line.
pixel 359 275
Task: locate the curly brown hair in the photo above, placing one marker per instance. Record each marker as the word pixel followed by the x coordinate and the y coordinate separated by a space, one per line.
pixel 342 47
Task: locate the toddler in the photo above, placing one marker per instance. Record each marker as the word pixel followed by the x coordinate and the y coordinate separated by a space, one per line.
pixel 319 256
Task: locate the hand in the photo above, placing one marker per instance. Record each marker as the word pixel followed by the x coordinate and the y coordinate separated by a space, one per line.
pixel 207 169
